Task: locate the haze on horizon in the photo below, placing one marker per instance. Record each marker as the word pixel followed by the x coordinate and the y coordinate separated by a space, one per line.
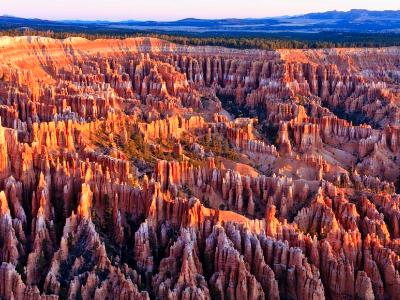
pixel 178 9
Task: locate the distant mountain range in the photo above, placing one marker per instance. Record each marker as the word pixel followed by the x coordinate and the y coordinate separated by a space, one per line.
pixel 359 21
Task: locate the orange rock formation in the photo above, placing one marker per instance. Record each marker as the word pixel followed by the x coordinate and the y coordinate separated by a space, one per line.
pixel 141 169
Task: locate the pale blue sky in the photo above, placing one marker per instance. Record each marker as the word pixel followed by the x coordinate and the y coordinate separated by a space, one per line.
pixel 178 9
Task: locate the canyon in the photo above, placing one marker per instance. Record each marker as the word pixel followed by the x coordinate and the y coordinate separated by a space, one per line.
pixel 142 169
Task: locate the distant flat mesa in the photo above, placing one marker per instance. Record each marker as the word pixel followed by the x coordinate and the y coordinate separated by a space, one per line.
pixel 31 52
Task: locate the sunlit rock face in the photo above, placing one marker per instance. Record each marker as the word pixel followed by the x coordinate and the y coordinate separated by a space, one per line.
pixel 141 169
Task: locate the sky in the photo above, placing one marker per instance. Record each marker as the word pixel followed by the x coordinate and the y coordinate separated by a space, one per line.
pixel 179 9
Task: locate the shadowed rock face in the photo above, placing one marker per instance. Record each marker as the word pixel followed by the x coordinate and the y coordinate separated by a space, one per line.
pixel 140 169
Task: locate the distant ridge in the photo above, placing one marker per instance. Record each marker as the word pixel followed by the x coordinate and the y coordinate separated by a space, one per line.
pixel 355 21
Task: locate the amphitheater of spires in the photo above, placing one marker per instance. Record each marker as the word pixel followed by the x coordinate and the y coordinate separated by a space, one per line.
pixel 141 169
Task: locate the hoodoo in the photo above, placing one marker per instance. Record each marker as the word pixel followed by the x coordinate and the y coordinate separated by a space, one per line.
pixel 143 169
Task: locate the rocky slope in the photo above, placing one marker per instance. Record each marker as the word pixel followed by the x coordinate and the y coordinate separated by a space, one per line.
pixel 140 169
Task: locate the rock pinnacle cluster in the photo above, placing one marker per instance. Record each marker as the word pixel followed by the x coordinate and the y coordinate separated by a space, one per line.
pixel 142 169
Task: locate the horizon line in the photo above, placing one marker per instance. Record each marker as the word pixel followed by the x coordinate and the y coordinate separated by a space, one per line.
pixel 193 18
